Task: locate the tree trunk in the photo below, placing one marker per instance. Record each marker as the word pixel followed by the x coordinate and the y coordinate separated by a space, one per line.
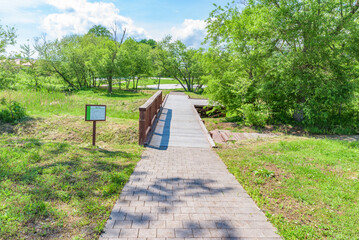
pixel 109 80
pixel 138 78
pixel 189 87
pixel 159 83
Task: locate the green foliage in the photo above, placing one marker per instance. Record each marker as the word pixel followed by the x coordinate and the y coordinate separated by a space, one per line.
pixel 8 68
pixel 150 42
pixel 26 51
pixel 100 31
pixel 84 61
pixel 7 37
pixel 296 58
pixel 78 60
pixel 8 72
pixel 176 60
pixel 13 111
pixel 135 60
pixel 253 117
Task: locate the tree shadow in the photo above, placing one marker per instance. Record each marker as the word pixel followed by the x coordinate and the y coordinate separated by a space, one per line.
pixel 170 194
pixel 162 132
pixel 12 128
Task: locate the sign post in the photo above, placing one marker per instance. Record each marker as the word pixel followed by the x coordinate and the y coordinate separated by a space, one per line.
pixel 95 113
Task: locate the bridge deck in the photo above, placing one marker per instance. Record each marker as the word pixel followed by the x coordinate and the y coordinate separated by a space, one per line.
pixel 179 125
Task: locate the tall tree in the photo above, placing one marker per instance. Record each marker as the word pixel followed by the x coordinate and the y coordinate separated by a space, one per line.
pixel 29 63
pixel 296 57
pixel 7 68
pixel 138 58
pixel 179 62
pixel 150 42
pixel 7 37
pixel 100 31
pixel 114 48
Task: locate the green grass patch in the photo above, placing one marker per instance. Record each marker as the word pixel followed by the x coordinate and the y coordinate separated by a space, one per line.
pixel 53 183
pixel 120 104
pixel 58 190
pixel 309 188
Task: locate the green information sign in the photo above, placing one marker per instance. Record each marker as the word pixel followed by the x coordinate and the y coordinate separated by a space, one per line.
pixel 95 113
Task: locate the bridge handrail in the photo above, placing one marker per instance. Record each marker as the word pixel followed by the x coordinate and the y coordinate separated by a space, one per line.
pixel 148 114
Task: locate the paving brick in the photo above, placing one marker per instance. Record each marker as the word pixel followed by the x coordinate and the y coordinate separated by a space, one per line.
pixel 129 233
pixel 165 216
pixel 111 233
pixel 181 232
pixel 137 203
pixel 174 224
pixel 157 224
pixel 218 233
pixel 191 224
pixel 122 224
pixel 110 223
pixel 147 233
pixel 166 232
pixel 201 233
pixel 140 224
pixel 181 216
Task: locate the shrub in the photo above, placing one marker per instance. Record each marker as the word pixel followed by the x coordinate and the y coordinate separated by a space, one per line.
pixel 13 111
pixel 253 117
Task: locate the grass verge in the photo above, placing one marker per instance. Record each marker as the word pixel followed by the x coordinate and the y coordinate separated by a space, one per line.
pixel 53 183
pixel 309 188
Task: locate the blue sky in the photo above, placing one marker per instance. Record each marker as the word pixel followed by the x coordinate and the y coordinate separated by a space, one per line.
pixel 183 19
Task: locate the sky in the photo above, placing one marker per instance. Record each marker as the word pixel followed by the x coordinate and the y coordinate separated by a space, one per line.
pixel 183 19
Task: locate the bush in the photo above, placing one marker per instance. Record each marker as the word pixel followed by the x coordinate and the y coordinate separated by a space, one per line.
pixel 253 117
pixel 13 111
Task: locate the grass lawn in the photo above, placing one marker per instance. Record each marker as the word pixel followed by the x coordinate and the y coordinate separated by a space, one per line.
pixel 53 183
pixel 309 188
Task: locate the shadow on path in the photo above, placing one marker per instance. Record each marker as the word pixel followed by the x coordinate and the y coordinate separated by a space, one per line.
pixel 166 196
pixel 158 140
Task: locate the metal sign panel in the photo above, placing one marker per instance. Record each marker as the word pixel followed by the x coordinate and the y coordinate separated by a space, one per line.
pixel 95 113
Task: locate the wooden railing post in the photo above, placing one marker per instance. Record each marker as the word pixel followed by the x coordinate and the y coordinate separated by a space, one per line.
pixel 148 113
pixel 142 127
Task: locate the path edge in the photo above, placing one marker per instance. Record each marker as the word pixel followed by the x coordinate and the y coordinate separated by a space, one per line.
pixel 204 129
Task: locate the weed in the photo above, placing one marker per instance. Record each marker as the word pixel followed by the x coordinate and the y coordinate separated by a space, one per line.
pixel 13 111
pixel 263 173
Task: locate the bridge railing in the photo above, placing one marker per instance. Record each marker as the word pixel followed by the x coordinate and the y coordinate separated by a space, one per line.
pixel 148 114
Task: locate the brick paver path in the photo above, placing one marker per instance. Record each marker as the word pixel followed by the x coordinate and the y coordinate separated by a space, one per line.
pixel 185 193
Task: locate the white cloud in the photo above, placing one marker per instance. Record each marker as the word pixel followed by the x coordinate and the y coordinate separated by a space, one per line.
pixel 77 16
pixel 191 32
pixel 16 11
